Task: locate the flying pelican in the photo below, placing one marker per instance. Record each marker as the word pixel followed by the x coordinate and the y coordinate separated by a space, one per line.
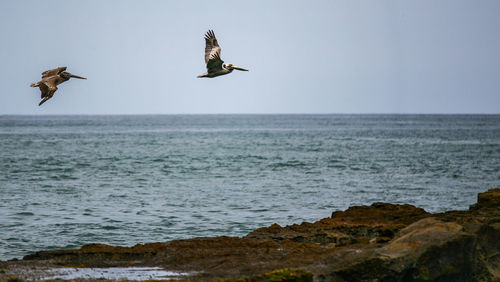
pixel 50 80
pixel 215 65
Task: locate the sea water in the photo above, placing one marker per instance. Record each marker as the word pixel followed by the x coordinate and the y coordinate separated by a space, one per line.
pixel 66 181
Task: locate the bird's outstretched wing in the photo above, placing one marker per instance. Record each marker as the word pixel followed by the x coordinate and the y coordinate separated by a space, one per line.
pixel 53 72
pixel 212 48
pixel 47 92
pixel 44 90
pixel 47 89
pixel 214 64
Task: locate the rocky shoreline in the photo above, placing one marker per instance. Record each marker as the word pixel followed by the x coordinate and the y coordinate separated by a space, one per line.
pixel 380 242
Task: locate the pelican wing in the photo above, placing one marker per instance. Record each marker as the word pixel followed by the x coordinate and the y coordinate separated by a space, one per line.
pixel 44 90
pixel 53 72
pixel 214 64
pixel 212 48
pixel 46 98
pixel 47 90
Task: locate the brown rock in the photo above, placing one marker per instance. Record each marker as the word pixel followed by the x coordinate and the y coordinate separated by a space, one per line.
pixel 353 226
pixel 418 236
pixel 488 200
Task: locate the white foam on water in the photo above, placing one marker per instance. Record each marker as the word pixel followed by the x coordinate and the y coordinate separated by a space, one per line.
pixel 115 273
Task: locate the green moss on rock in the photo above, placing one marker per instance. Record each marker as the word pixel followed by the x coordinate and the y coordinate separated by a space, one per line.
pixel 279 275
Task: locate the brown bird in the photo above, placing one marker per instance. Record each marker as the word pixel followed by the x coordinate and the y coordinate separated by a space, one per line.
pixel 50 80
pixel 215 65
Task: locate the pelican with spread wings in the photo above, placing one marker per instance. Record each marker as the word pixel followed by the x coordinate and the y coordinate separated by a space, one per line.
pixel 215 65
pixel 50 80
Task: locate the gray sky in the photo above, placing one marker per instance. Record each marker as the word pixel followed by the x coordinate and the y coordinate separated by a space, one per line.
pixel 304 56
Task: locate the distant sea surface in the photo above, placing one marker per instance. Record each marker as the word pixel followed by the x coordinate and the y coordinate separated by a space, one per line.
pixel 66 181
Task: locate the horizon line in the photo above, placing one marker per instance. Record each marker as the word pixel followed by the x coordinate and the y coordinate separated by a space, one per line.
pixel 234 114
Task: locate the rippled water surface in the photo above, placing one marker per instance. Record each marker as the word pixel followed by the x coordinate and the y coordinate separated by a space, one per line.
pixel 66 181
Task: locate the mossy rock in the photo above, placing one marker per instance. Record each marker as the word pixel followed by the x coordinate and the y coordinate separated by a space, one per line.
pixel 279 275
pixel 286 274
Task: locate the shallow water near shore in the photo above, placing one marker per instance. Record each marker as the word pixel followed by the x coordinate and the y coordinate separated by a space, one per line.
pixel 66 181
pixel 112 273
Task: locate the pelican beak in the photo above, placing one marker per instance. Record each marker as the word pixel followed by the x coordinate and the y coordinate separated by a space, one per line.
pixel 240 69
pixel 76 76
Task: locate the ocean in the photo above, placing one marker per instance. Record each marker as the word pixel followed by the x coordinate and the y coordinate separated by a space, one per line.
pixel 66 181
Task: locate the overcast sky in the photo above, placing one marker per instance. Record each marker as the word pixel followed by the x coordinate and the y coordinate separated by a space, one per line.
pixel 142 57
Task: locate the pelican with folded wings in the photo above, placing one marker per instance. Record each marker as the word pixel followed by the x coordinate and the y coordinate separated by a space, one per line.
pixel 215 65
pixel 50 80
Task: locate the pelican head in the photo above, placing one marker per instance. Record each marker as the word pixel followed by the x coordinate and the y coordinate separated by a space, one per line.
pixel 68 75
pixel 233 67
